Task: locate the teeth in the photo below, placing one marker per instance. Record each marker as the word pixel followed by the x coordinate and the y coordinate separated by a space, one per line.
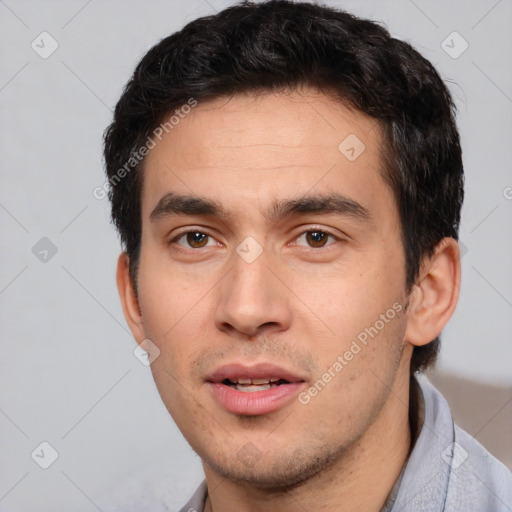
pixel 251 389
pixel 256 382
pixel 259 381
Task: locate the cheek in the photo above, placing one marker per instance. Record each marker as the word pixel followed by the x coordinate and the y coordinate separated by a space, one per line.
pixel 167 295
pixel 355 381
pixel 175 316
pixel 349 298
pixel 358 335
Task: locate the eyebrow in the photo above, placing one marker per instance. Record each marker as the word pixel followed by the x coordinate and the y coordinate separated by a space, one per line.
pixel 177 204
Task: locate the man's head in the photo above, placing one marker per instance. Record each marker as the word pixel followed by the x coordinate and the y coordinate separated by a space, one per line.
pixel 296 205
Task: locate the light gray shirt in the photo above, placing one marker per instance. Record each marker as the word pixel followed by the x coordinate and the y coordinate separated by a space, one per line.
pixel 447 471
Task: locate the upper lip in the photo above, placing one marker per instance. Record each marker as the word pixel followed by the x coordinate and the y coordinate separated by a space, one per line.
pixel 254 371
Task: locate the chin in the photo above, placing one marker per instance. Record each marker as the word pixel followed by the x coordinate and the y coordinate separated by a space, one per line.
pixel 272 471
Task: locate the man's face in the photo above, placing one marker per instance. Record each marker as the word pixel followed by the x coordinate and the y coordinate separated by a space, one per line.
pixel 296 259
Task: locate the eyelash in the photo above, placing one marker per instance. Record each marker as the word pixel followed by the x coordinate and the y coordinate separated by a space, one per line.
pixel 175 239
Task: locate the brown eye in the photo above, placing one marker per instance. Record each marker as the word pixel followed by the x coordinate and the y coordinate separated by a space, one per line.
pixel 197 239
pixel 316 238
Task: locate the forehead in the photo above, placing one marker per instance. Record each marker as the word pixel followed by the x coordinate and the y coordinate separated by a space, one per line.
pixel 255 149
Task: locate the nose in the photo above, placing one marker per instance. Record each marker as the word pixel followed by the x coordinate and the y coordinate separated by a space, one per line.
pixel 252 300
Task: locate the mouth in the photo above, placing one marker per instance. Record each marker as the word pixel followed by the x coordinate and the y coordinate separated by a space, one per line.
pixel 254 390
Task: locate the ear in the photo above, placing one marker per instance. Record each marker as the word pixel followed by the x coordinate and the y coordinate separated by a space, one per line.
pixel 128 298
pixel 435 294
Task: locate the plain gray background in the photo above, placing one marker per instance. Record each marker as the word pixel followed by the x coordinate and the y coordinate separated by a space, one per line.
pixel 68 375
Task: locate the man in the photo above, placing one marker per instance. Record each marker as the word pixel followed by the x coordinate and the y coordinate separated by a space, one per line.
pixel 287 183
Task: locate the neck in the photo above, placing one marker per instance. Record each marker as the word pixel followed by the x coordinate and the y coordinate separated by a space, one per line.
pixel 359 481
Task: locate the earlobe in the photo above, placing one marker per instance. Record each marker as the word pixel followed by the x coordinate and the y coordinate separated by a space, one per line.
pixel 128 298
pixel 435 295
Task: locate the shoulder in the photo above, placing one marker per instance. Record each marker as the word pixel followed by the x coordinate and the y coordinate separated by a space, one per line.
pixel 197 501
pixel 476 480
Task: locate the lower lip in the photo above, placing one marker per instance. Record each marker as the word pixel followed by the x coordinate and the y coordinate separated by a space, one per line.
pixel 254 403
